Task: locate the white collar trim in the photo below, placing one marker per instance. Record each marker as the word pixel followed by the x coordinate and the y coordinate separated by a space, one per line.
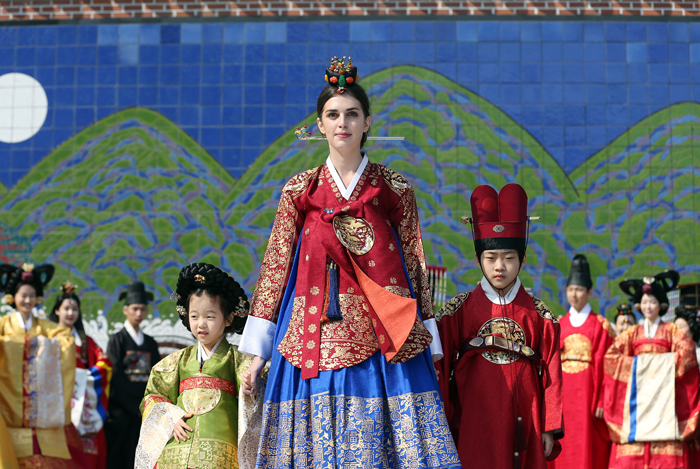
pixel 650 331
pixel 495 298
pixel 202 355
pixel 137 336
pixel 347 192
pixel 577 318
pixel 24 326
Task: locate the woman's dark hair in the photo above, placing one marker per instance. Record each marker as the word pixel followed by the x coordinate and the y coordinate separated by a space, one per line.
pixel 691 317
pixel 205 279
pixel 354 90
pixel 78 323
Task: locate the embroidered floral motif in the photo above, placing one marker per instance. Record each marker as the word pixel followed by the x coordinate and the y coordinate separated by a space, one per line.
pixel 315 291
pixel 312 328
pixel 340 431
pixel 313 310
pixel 336 350
pixel 309 363
pixel 451 307
pixel 392 280
pixel 371 263
pixel 311 344
pixel 543 310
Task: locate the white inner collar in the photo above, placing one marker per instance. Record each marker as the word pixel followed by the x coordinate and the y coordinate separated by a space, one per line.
pixel 137 336
pixel 494 297
pixel 347 192
pixel 577 318
pixel 26 326
pixel 650 329
pixel 202 355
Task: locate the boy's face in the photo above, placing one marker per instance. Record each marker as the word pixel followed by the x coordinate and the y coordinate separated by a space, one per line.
pixel 135 313
pixel 501 266
pixel 578 296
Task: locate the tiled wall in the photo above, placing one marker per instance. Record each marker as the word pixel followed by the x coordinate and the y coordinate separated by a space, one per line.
pixel 236 87
pixel 593 98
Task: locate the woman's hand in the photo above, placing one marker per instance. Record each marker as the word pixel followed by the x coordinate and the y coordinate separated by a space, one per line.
pixel 548 443
pixel 179 432
pixel 249 378
pixel 599 413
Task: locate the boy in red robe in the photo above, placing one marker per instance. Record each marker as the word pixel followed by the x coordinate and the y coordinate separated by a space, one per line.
pixel 585 337
pixel 501 373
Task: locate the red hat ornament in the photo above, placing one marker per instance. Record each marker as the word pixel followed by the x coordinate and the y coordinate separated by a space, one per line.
pixel 499 220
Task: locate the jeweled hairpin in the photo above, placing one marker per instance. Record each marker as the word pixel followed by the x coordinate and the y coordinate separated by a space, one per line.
pixel 174 296
pixel 181 310
pixel 200 278
pixel 302 133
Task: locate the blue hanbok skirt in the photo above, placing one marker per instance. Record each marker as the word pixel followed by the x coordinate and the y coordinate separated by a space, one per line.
pixel 370 415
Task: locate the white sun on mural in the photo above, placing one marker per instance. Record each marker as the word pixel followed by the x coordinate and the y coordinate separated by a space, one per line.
pixel 23 107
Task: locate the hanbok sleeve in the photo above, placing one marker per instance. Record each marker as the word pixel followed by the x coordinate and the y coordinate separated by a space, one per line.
pixel 68 356
pixel 250 414
pixel 549 350
pixel 618 363
pixel 405 218
pixel 158 409
pixel 258 335
pixel 450 328
pixel 604 339
pixel 102 367
pixel 687 384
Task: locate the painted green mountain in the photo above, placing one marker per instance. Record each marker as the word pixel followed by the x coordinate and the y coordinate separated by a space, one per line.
pixel 134 196
pixel 131 196
pixel 640 207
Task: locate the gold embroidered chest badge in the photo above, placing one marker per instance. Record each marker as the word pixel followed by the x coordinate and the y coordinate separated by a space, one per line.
pixel 499 228
pixel 355 234
pixel 508 329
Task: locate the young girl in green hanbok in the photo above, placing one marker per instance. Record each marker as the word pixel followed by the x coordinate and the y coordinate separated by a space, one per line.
pixel 190 409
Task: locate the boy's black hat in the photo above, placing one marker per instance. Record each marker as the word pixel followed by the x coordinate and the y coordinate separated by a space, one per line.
pixel 580 274
pixel 136 294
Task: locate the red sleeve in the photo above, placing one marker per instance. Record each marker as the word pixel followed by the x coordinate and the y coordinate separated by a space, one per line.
pixel 687 383
pixel 279 253
pixel 100 362
pixel 604 338
pixel 618 368
pixel 552 399
pixel 405 218
pixel 450 329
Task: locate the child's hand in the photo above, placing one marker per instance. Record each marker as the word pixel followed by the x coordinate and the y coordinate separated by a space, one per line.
pixel 599 413
pixel 179 432
pixel 249 378
pixel 548 443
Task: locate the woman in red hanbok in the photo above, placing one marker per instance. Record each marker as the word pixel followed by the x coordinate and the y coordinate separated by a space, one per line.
pixel 652 403
pixel 93 373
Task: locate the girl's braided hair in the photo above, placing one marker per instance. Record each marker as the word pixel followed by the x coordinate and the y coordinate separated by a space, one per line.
pixel 200 278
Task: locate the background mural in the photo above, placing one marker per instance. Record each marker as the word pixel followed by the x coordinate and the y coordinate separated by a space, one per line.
pixel 163 144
